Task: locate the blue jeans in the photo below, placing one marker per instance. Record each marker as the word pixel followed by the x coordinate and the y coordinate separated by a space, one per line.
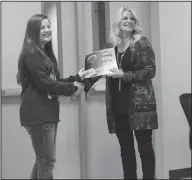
pixel 43 139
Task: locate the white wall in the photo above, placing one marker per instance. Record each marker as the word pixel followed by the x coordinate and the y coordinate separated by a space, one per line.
pixel 175 42
pixel 14 20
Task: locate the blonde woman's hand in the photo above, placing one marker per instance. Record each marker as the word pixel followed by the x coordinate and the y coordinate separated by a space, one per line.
pixel 82 73
pixel 116 73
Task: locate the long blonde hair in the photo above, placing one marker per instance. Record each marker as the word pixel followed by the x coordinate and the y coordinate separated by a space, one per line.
pixel 115 32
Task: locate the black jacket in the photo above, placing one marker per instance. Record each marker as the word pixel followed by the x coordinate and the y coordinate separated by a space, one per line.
pixel 39 98
pixel 142 110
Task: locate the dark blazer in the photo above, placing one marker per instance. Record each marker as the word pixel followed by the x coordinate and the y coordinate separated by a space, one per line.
pixel 142 110
pixel 39 98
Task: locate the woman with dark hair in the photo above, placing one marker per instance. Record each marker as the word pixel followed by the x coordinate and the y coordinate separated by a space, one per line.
pixel 130 97
pixel 38 74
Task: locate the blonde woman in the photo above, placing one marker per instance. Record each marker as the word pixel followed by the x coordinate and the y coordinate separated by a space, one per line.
pixel 130 98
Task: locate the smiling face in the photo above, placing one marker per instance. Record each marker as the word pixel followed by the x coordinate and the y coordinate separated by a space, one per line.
pixel 45 32
pixel 128 22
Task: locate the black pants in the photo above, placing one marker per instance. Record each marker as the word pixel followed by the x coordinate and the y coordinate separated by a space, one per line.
pixel 145 148
pixel 43 139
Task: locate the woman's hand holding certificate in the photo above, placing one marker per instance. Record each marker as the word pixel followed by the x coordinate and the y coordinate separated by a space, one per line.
pixel 82 73
pixel 100 62
pixel 116 73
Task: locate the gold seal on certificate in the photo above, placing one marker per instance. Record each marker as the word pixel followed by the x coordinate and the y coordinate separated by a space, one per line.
pixel 98 63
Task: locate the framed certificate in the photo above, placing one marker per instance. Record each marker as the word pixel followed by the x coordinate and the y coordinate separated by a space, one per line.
pixel 98 63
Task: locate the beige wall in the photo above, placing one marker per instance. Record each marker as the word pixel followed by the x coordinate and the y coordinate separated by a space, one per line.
pixel 171 37
pixel 14 19
pixel 175 39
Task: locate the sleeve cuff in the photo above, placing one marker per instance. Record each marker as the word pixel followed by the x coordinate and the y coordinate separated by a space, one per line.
pixel 127 76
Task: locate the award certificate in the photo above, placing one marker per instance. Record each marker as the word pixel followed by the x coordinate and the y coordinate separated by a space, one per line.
pixel 98 63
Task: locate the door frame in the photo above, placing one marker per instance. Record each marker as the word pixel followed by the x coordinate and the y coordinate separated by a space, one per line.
pixel 155 39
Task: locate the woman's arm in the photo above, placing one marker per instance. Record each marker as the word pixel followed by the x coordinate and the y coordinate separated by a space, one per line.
pixel 71 79
pixel 148 59
pixel 88 83
pixel 78 77
pixel 40 75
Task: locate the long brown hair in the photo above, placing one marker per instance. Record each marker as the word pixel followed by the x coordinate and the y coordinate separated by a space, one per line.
pixel 32 39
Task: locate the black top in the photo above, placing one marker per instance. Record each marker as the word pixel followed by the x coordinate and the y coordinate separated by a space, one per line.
pixel 121 98
pixel 39 98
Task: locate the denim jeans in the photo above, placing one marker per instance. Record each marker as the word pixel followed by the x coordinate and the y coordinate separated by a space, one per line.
pixel 43 139
pixel 145 148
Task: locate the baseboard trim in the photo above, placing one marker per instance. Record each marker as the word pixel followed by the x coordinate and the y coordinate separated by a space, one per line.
pixel 180 173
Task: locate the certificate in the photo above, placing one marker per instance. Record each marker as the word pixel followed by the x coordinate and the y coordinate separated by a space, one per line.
pixel 98 63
